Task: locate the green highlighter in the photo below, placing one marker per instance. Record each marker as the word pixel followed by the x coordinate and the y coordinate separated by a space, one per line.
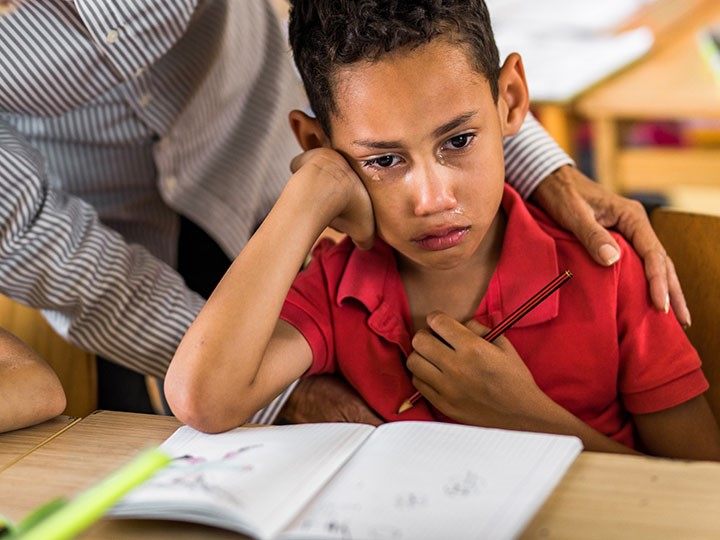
pixel 62 520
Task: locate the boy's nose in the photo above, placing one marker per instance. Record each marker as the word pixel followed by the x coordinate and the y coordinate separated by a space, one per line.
pixel 433 192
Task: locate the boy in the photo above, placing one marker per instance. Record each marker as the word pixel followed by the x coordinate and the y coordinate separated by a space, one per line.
pixel 405 156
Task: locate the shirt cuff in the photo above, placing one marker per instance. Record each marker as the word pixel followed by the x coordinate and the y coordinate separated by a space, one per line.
pixel 682 389
pixel 269 414
pixel 530 156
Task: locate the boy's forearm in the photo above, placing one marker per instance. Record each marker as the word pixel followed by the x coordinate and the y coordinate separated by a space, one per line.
pixel 553 418
pixel 212 381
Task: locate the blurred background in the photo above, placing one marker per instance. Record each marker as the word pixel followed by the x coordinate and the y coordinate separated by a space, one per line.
pixel 630 89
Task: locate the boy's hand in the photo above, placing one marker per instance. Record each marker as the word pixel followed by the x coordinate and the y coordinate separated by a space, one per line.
pixel 473 381
pixel 339 187
pixel 586 208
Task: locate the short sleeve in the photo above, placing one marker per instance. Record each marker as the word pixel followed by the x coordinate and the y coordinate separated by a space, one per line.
pixel 308 307
pixel 659 367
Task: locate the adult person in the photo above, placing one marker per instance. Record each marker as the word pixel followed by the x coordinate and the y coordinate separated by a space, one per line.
pixel 121 121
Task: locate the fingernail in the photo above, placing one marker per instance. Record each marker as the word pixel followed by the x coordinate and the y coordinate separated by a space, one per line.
pixel 667 304
pixel 609 254
pixel 689 321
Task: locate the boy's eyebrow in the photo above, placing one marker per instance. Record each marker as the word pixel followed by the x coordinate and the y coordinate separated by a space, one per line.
pixel 445 128
pixel 455 122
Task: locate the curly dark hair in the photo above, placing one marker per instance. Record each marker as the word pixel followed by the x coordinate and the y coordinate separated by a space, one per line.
pixel 326 34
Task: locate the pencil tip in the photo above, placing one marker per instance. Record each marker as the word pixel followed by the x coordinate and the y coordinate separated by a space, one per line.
pixel 405 406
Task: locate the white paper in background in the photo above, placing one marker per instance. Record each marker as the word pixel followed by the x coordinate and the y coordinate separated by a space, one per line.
pixel 558 67
pixel 563 15
pixel 568 45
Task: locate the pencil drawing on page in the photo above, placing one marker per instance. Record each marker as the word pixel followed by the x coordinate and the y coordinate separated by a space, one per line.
pixel 196 473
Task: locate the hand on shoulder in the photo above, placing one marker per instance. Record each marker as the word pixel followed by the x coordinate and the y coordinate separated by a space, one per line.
pixel 587 209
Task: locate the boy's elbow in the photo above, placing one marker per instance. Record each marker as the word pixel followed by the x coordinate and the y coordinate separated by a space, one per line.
pixel 201 410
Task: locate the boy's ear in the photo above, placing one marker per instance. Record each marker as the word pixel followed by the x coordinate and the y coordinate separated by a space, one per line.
pixel 513 98
pixel 307 131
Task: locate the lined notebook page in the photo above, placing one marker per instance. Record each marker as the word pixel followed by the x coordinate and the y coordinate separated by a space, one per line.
pixel 248 479
pixel 415 480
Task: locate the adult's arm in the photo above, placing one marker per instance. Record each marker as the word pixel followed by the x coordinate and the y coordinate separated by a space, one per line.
pixel 97 291
pixel 30 391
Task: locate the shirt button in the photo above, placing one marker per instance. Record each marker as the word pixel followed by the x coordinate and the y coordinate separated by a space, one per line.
pixel 138 72
pixel 170 184
pixel 162 143
pixel 112 36
pixel 145 100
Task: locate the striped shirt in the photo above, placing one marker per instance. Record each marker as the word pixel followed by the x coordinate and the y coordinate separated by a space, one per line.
pixel 117 117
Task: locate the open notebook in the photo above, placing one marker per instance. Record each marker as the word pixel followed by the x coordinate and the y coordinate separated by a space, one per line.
pixel 404 480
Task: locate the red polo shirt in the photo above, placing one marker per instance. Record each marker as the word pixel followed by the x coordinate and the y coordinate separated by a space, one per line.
pixel 597 346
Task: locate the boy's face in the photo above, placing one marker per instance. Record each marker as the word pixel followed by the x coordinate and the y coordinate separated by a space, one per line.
pixel 424 134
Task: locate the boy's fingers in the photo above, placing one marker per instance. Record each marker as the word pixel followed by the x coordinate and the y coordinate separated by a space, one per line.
pixel 422 367
pixel 447 330
pixel 427 390
pixel 480 330
pixel 297 162
pixel 364 243
pixel 476 328
pixel 430 344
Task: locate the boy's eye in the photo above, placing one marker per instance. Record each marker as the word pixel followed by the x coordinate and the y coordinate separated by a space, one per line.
pixel 459 141
pixel 382 162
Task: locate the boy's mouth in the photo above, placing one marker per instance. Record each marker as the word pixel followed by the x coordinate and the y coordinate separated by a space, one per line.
pixel 442 238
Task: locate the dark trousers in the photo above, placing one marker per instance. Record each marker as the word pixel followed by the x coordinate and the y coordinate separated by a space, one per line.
pixel 201 263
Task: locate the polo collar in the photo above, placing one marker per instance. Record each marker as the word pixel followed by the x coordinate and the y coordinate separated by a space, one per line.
pixel 527 263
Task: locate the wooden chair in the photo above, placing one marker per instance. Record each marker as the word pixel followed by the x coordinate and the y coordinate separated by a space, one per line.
pixel 75 368
pixel 692 242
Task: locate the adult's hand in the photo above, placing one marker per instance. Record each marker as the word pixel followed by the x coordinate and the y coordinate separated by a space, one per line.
pixel 326 398
pixel 586 209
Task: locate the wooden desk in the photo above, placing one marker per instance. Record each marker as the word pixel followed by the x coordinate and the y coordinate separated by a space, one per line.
pixel 15 445
pixel 670 83
pixel 602 496
pixel 93 448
